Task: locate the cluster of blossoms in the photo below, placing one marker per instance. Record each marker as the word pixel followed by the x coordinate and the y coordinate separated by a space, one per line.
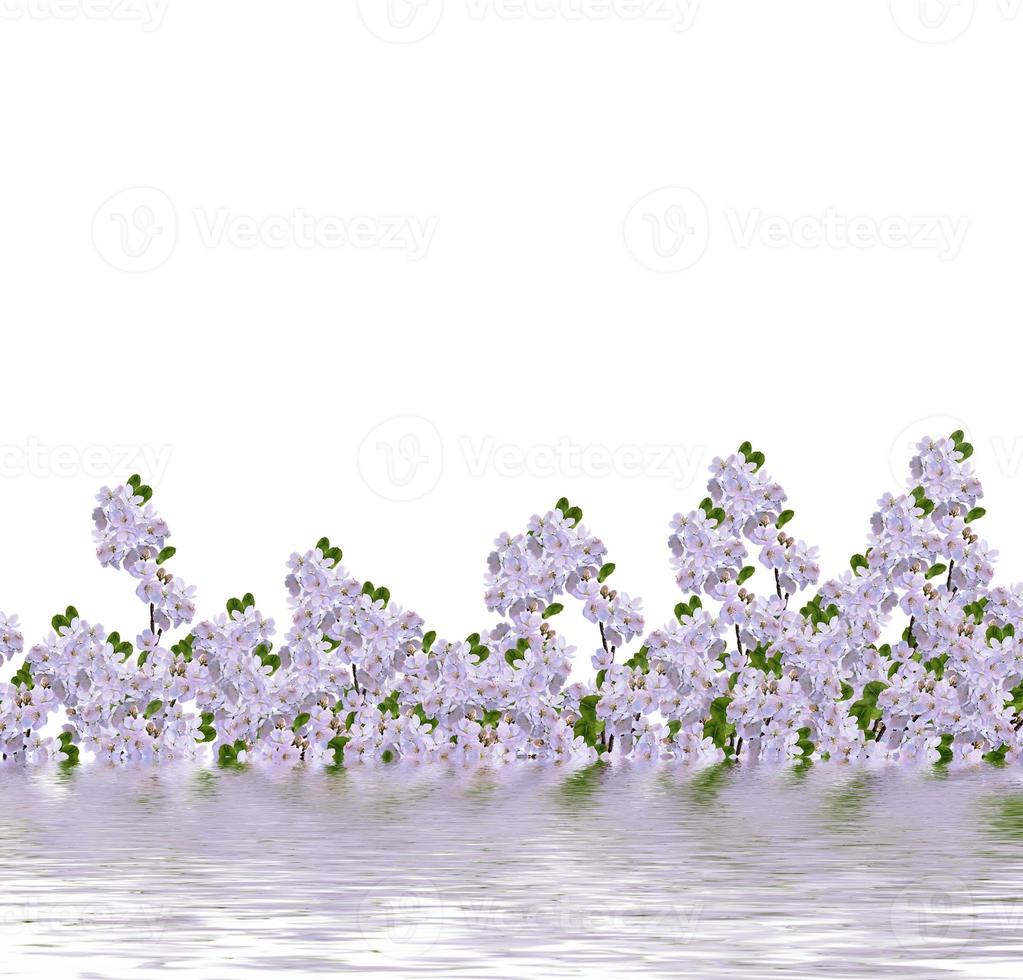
pixel 909 655
pixel 131 535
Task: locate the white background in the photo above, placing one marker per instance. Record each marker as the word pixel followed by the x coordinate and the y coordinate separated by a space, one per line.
pixel 563 302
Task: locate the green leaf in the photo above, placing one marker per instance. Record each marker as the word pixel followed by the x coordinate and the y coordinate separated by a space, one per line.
pixel 718 728
pixel 323 545
pixel 300 720
pixel 552 610
pixel 935 570
pixel 975 515
pixel 944 749
pixel 957 437
pixel 227 755
pixel 164 555
pixel 746 574
pixel 574 514
pixel 589 728
pixel 804 742
pixel 562 505
pixel 338 743
pixel 784 517
pixel 152 708
pixel 966 449
pixel 936 665
pixel 605 572
pixel 420 713
pixel 382 594
pixel 996 756
pixel 428 640
pixel 858 561
pixel 640 660
pixel 512 657
pixel 134 481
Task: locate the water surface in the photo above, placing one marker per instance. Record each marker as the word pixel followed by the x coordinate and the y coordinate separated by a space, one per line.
pixel 527 871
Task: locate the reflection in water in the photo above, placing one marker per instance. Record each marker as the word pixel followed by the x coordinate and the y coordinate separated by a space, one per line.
pixel 526 871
